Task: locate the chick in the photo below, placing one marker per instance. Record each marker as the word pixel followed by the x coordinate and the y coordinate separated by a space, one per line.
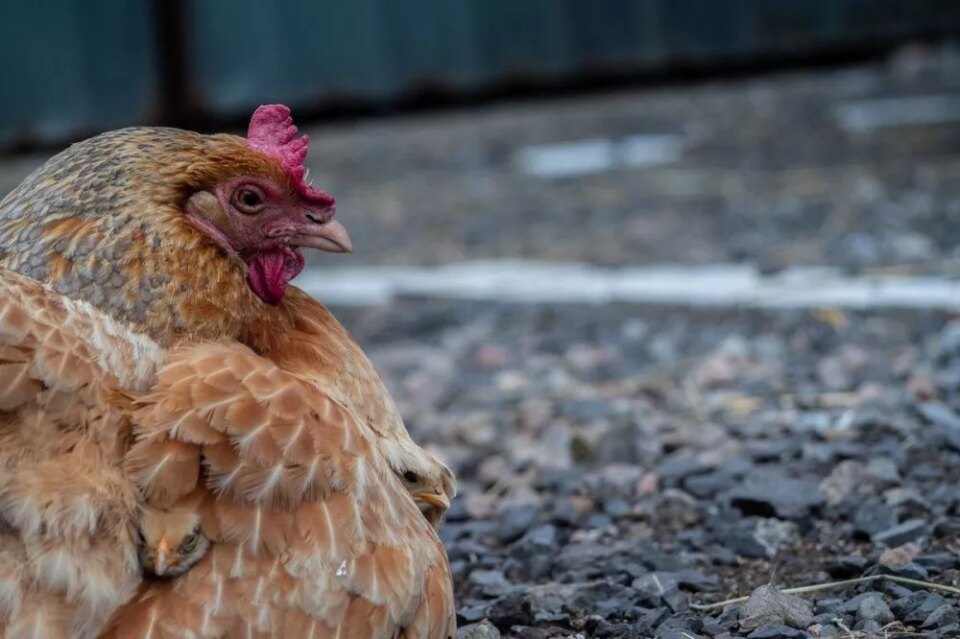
pixel 171 540
pixel 428 480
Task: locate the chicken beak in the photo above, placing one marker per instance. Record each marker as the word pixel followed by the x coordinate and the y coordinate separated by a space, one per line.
pixel 329 236
pixel 436 500
pixel 433 506
pixel 163 557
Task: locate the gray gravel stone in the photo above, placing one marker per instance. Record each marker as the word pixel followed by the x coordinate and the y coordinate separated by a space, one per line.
pixel 945 615
pixel 876 609
pixel 910 530
pixel 767 605
pixel 482 630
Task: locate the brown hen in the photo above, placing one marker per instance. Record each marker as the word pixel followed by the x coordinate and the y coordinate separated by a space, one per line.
pixel 173 251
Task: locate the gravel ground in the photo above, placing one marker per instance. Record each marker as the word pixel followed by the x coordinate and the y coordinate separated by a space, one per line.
pixel 620 465
pixel 623 466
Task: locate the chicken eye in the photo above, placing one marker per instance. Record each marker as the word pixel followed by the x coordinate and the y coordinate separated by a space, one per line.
pixel 248 199
pixel 411 476
pixel 189 542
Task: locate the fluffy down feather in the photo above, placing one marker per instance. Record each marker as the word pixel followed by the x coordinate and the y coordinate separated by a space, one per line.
pixel 67 543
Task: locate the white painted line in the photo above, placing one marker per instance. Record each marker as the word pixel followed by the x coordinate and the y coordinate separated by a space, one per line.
pixel 863 116
pixel 567 159
pixel 583 157
pixel 650 150
pixel 522 281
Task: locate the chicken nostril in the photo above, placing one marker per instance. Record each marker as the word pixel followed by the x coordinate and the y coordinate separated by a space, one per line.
pixel 315 219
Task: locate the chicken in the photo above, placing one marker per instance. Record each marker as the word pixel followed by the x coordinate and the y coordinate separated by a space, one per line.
pixel 171 540
pixel 173 249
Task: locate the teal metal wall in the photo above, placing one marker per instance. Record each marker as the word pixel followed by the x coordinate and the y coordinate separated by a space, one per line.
pixel 303 51
pixel 71 67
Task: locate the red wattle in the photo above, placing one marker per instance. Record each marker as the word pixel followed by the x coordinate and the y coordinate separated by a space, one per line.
pixel 269 271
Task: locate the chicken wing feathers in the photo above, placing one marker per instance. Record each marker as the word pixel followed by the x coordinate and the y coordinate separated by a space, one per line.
pixel 313 535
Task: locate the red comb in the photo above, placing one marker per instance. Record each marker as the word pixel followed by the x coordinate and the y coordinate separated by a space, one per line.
pixel 273 133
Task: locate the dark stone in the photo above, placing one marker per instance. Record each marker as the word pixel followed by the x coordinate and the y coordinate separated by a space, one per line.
pixel 919 606
pixel 893 589
pixel 471 614
pixel 846 566
pixel 585 409
pixel 565 512
pixel 483 630
pixel 649 590
pixel 691 579
pixel 585 559
pixel 943 616
pixel 674 633
pixel 938 561
pixel 709 484
pixel 771 495
pixel 829 606
pixel 599 521
pixel 535 551
pixel 676 601
pixel 685 621
pixel 617 508
pixel 607 630
pixel 721 556
pixel 651 620
pixel 828 630
pixel 510 611
pixel 456 512
pixel 909 530
pixel 605 599
pixel 554 480
pixel 680 465
pixel 547 604
pixel 873 517
pixel 939 414
pixel 853 604
pixel 492 583
pixel 615 446
pixel 542 536
pixel 949 632
pixel 874 608
pixel 514 521
pixel 767 605
pixel 910 570
pixel 728 617
pixel 745 544
pixel 756 538
pixel 777 631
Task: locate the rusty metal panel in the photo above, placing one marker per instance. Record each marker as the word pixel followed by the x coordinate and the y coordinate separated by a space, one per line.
pixel 71 68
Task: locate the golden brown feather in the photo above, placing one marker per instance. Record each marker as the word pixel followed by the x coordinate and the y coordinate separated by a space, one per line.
pixel 295 444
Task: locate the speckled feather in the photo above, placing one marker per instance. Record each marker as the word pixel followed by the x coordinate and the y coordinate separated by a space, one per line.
pixel 102 223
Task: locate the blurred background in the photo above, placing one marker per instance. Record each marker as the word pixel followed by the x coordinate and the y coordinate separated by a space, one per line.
pixel 672 284
pixel 555 129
